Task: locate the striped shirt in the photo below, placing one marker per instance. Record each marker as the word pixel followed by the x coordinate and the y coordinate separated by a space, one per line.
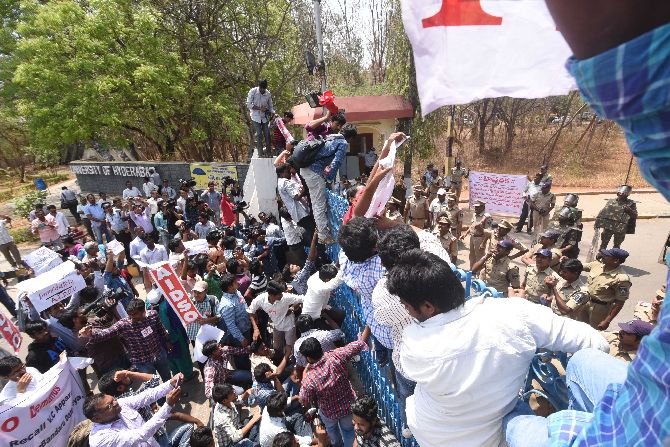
pixel 207 308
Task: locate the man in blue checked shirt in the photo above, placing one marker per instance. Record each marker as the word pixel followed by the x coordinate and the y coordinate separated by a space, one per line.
pixel 621 53
pixel 325 166
pixel 233 312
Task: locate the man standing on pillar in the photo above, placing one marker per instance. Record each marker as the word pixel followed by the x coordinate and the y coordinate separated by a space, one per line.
pixel 259 103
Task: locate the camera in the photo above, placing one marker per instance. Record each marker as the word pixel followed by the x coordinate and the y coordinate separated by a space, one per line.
pixel 228 181
pixel 190 183
pixel 105 303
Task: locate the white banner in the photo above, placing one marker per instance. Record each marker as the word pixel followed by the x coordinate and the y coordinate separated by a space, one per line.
pixel 467 50
pixel 47 416
pixel 53 286
pixel 385 188
pixel 42 260
pixel 196 246
pixel 502 193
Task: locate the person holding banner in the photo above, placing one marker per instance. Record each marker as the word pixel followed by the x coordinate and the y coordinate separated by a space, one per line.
pixel 117 422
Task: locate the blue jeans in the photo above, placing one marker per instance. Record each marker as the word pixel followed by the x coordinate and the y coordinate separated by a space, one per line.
pixel 403 389
pixel 159 365
pixel 99 231
pixel 340 431
pixel 588 374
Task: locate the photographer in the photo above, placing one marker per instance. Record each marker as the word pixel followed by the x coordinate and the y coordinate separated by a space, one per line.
pixel 213 199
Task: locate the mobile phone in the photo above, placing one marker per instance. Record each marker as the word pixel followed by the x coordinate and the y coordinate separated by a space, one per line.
pixel 179 382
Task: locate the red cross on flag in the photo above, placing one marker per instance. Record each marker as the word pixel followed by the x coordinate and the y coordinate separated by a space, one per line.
pixel 465 50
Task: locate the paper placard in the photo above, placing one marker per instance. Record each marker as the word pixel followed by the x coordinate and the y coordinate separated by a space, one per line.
pixel 197 246
pixel 206 333
pixel 53 286
pixel 42 260
pixel 115 246
pixel 502 193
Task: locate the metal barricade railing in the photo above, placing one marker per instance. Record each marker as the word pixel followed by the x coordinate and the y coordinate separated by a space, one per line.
pixel 372 377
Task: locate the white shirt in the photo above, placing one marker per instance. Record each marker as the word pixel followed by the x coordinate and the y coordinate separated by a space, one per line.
pixel 130 430
pixel 471 362
pixel 131 192
pixel 153 205
pixel 318 294
pixel 9 392
pixel 272 426
pixel 136 246
pixel 288 189
pixel 273 230
pixel 158 254
pixel 61 223
pixel 5 237
pixel 258 99
pixel 292 232
pixel 281 319
pixel 370 159
pixel 203 230
pixel 181 203
pixel 148 187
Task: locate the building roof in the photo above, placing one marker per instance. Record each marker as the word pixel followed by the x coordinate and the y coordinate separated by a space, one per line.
pixel 359 108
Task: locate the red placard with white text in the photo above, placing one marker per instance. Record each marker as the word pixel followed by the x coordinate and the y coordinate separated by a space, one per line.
pixel 10 332
pixel 168 282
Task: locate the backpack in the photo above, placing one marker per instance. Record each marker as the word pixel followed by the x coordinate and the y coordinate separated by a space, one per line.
pixel 305 153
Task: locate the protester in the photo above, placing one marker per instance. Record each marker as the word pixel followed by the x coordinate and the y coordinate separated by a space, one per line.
pixel 259 103
pixel 21 379
pixel 7 245
pixel 46 228
pixel 370 431
pixel 131 191
pixel 216 368
pixel 277 304
pixel 229 428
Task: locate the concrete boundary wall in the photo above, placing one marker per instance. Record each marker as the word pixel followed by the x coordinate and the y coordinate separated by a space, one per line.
pixel 111 177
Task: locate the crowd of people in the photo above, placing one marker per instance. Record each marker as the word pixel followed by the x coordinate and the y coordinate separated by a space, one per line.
pixel 281 374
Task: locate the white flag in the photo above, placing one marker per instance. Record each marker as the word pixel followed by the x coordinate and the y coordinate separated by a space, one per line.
pixel 465 50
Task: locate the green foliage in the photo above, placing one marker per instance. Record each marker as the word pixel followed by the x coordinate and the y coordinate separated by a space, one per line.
pixel 22 235
pixel 26 203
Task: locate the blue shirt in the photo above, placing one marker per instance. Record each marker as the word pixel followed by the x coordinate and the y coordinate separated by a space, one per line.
pixel 332 153
pixel 299 283
pixel 234 317
pixel 113 282
pixel 96 211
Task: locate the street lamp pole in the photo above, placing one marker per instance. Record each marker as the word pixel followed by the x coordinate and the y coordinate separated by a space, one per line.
pixel 319 42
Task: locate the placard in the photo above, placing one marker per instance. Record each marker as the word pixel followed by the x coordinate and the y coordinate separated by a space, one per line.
pixel 46 416
pixel 206 333
pixel 167 281
pixel 197 246
pixel 204 173
pixel 10 332
pixel 502 193
pixel 53 286
pixel 42 260
pixel 115 246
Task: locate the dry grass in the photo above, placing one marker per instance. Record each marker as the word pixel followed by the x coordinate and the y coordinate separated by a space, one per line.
pixel 602 164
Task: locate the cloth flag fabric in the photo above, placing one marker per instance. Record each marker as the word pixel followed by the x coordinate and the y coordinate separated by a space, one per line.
pixel 465 50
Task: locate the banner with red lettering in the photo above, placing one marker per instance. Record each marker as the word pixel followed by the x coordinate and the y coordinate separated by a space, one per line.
pixel 465 50
pixel 502 193
pixel 47 415
pixel 10 332
pixel 174 293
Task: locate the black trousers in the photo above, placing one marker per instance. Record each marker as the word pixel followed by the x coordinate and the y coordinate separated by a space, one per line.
pixel 525 213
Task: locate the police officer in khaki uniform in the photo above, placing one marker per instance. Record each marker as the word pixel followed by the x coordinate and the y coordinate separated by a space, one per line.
pixel 624 344
pixel 455 215
pixel 617 218
pixel 495 268
pixel 416 209
pixel 393 210
pixel 458 173
pixel 447 239
pixel 609 287
pixel 568 295
pixel 533 283
pixel 438 206
pixel 435 185
pixel 541 205
pixel 480 221
pixel 649 311
pixel 547 240
pixel 500 233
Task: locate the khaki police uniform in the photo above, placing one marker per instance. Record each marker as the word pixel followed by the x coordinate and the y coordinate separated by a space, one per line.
pixel 416 211
pixel 457 175
pixel 574 300
pixel 434 187
pixel 615 221
pixel 605 289
pixel 643 311
pixel 616 348
pixel 533 281
pixel 500 274
pixel 477 251
pixel 541 221
pixel 495 238
pixel 449 243
pixel 455 219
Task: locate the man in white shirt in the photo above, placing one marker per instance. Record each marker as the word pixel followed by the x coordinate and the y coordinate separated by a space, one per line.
pixel 167 189
pixel 470 360
pixel 153 202
pixel 147 187
pixel 319 287
pixel 152 252
pixel 292 194
pixel 117 423
pixel 62 225
pixel 141 215
pixel 7 245
pixel 370 158
pixel 277 305
pixel 131 191
pixel 274 422
pixel 204 226
pixel 137 244
pixel 21 379
pixel 259 103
